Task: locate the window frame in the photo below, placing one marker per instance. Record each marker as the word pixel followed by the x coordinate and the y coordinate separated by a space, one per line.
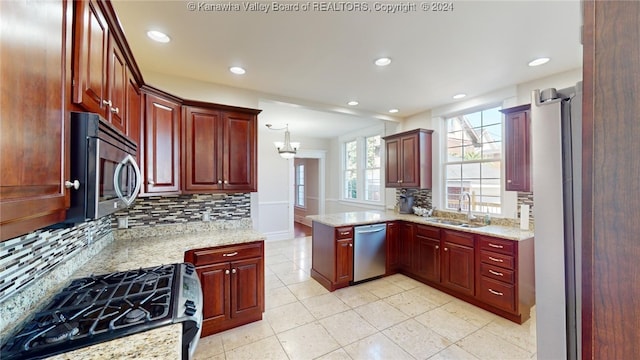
pixel 299 186
pixel 446 162
pixel 361 159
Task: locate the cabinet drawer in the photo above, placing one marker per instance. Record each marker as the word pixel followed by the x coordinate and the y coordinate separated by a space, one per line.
pixel 497 273
pixel 344 232
pixel 504 261
pixel 226 253
pixel 497 245
pixel 455 237
pixel 498 294
pixel 428 231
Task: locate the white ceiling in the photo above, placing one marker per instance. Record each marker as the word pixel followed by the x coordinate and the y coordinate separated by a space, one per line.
pixel 326 57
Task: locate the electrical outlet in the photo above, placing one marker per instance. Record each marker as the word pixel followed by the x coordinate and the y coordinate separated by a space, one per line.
pixel 123 222
pixel 206 216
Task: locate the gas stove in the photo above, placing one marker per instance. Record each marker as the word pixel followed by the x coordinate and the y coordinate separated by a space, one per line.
pixel 104 307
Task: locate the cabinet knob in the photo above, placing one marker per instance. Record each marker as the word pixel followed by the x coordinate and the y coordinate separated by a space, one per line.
pixel 445 249
pixel 226 272
pixel 106 102
pixel 151 182
pixel 226 182
pixel 233 271
pixel 437 247
pixel 350 244
pixel 115 110
pixel 509 181
pixel 75 184
pixel 219 181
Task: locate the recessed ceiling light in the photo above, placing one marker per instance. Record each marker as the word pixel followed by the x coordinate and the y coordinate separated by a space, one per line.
pixel 352 103
pixel 393 111
pixel 539 61
pixel 237 70
pixel 158 36
pixel 384 61
pixel 459 96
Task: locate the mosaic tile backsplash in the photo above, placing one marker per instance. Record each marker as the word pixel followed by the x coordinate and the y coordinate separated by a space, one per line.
pixel 28 257
pixel 160 210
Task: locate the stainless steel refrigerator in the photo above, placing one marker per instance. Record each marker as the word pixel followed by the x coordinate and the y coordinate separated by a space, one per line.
pixel 556 150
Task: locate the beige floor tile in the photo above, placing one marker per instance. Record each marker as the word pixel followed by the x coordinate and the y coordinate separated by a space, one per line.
pixel 523 335
pixel 283 267
pixel 348 327
pixel 268 348
pixel 339 354
pixel 385 289
pixel 209 346
pixel 307 289
pixel 435 296
pixel 294 277
pixel 324 305
pixel 381 315
pixel 272 282
pixel 275 259
pixel 453 352
pixel 288 316
pixel 405 282
pixel 416 339
pixel 446 324
pixel 278 297
pixel 410 303
pixel 470 313
pixel 307 342
pixel 355 296
pixel 487 346
pixel 376 346
pixel 245 334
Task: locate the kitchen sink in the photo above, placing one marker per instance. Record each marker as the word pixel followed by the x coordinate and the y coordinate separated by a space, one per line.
pixel 459 223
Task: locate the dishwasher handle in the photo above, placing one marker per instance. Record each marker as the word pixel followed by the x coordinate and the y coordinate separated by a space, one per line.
pixel 369 231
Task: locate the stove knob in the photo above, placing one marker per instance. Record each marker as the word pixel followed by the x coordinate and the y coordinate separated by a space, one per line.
pixel 190 311
pixel 190 303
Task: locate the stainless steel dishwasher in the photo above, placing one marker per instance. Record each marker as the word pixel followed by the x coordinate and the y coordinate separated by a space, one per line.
pixel 369 251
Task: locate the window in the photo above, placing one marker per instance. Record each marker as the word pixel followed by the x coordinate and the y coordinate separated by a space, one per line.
pixel 362 173
pixel 473 163
pixel 299 184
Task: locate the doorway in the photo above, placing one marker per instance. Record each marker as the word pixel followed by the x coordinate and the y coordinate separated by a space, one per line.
pixel 308 196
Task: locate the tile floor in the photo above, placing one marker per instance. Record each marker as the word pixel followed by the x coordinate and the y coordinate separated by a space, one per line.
pixel 390 318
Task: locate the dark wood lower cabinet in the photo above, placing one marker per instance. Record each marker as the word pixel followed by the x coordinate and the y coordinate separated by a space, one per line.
pixel 232 280
pixel 458 270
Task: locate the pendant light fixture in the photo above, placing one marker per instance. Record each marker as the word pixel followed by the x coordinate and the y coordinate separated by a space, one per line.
pixel 286 149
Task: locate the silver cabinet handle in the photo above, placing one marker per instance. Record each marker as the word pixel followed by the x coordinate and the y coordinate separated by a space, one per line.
pixel 107 102
pixel 496 292
pixel 115 110
pixel 75 184
pixel 344 233
pixel 231 254
pixel 494 259
pixel 496 273
pixel 226 272
pixel 496 246
pixel 233 271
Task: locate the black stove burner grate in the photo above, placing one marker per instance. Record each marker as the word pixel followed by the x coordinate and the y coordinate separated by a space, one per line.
pixel 97 308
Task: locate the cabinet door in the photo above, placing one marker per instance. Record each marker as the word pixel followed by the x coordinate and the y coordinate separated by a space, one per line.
pixel 162 150
pixel 239 155
pixel 34 123
pixel 393 251
pixel 116 108
pixel 406 243
pixel 247 287
pixel 202 146
pixel 458 270
pixel 134 115
pixel 517 150
pixel 344 261
pixel 90 57
pixel 428 258
pixel 394 159
pixel 214 280
pixel 410 168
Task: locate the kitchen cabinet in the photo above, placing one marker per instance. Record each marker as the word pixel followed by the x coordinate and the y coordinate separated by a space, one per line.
pixel 409 159
pixel 100 72
pixel 134 119
pixel 232 280
pixel 35 51
pixel 332 255
pixel 458 262
pixel 393 248
pixel 219 148
pixel 406 241
pixel 427 253
pixel 161 143
pixel 506 276
pixel 517 156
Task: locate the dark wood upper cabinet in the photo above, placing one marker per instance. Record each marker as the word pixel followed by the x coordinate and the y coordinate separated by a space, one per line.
pixel 517 155
pixel 219 148
pixel 161 157
pixel 116 108
pixel 33 109
pixel 408 159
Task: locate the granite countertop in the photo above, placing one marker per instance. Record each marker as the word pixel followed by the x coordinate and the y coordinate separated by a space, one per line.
pixel 372 217
pixel 131 253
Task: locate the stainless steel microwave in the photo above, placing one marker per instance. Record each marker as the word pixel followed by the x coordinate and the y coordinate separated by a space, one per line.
pixel 105 177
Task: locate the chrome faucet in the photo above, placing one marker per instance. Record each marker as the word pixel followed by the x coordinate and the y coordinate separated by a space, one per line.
pixel 470 216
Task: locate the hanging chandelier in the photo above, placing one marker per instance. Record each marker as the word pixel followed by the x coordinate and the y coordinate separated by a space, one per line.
pixel 286 149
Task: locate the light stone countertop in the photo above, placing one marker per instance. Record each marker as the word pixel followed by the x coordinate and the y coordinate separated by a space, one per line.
pixel 372 217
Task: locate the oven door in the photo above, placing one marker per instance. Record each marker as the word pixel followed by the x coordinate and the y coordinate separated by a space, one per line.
pixel 118 178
